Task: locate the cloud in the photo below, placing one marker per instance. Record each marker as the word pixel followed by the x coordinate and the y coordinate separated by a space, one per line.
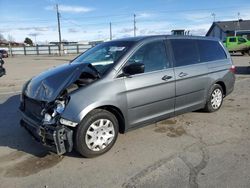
pixel 72 30
pixel 33 28
pixel 197 16
pixel 126 30
pixel 4 30
pixel 144 15
pixel 34 34
pixel 153 32
pixel 71 9
pixel 200 29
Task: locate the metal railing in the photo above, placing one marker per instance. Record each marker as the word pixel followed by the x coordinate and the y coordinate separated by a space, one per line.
pixel 47 49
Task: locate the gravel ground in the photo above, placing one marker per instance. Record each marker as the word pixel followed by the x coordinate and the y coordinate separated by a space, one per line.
pixel 191 150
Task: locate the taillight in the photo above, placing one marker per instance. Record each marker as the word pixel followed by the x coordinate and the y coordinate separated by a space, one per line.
pixel 233 69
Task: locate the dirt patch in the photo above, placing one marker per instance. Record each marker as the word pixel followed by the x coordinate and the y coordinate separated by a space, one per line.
pixel 175 132
pixel 160 129
pixel 11 156
pixel 171 131
pixel 168 122
pixel 1 171
pixel 32 165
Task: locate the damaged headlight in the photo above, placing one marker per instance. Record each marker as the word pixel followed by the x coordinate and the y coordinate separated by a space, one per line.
pixel 60 106
pixel 47 118
pixel 55 110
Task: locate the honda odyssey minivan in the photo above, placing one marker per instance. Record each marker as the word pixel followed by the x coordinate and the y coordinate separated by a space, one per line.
pixel 122 84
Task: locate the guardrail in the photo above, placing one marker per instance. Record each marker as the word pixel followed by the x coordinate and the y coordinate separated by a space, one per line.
pixel 47 49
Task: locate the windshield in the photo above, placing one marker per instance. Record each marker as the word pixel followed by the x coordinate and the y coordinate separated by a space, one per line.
pixel 105 55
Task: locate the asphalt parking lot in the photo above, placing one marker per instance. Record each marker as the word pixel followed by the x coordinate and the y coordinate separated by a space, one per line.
pixel 192 150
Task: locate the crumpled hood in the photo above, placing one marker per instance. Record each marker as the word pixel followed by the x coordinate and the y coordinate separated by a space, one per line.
pixel 49 84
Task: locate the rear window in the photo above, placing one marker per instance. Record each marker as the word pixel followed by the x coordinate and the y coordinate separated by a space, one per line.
pixel 210 50
pixel 185 52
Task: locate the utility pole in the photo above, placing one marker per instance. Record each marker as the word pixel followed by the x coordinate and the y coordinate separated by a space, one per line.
pixel 110 30
pixel 238 23
pixel 59 29
pixel 213 14
pixel 134 25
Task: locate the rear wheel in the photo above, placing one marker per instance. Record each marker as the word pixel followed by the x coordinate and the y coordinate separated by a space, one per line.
pixel 97 133
pixel 215 99
pixel 246 53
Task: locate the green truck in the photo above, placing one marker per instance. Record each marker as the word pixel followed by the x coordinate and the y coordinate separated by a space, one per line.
pixel 237 44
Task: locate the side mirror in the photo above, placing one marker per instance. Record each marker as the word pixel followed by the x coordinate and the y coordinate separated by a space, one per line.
pixel 134 68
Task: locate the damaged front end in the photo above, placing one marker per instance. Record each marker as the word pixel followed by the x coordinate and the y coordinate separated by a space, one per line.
pixel 43 101
pixel 43 122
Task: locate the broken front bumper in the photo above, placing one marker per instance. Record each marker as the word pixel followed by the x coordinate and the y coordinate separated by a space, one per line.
pixel 57 138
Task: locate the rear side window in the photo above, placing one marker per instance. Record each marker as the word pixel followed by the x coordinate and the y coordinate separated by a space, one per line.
pixel 242 40
pixel 232 39
pixel 185 52
pixel 210 50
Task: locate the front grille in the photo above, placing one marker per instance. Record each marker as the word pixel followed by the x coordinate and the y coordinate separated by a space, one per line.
pixel 33 108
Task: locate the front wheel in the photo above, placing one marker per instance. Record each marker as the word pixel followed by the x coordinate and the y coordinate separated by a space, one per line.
pixel 96 134
pixel 215 99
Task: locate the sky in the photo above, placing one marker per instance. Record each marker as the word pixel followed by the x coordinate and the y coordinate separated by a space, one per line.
pixel 85 20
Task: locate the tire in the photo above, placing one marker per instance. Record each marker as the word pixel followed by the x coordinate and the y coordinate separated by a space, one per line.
pixel 246 53
pixel 214 104
pixel 96 134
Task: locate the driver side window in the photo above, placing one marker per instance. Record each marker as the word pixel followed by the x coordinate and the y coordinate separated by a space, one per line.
pixel 152 55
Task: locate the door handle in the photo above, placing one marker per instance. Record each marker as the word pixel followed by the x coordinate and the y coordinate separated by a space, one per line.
pixel 183 74
pixel 166 77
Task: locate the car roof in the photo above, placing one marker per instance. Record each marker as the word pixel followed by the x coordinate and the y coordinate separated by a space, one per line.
pixel 141 38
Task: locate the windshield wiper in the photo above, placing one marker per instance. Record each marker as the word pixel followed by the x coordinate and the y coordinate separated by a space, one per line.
pixel 95 70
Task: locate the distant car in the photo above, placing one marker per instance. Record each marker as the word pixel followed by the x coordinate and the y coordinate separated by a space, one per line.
pixel 237 44
pixel 4 53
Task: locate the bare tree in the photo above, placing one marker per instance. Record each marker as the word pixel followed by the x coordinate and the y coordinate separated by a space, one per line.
pixel 11 38
pixel 2 37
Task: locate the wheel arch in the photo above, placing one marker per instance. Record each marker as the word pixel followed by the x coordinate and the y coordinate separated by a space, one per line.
pixel 222 84
pixel 112 109
pixel 118 114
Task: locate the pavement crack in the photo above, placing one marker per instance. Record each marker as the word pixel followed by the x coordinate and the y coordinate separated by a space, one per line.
pixel 195 170
pixel 135 180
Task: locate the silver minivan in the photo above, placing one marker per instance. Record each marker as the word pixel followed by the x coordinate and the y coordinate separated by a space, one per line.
pixel 122 84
